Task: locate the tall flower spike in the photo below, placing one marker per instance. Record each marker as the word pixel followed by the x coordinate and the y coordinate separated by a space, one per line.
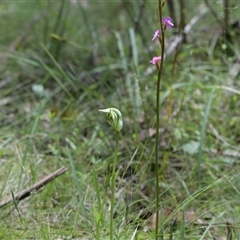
pixel 114 117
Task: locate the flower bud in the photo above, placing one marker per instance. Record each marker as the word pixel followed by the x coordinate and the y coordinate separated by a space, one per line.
pixel 114 118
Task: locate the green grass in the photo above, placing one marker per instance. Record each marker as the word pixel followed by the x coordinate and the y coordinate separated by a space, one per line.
pixel 78 59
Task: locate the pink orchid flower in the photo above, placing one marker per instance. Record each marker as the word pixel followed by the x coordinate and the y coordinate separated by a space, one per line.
pixel 156 34
pixel 168 22
pixel 155 60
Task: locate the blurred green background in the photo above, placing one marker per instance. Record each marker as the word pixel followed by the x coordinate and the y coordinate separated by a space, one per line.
pixel 62 61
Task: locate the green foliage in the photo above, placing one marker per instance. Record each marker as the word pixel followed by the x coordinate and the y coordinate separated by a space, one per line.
pixel 61 61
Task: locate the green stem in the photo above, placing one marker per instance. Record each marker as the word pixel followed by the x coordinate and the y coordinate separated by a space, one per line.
pixel 113 179
pixel 158 121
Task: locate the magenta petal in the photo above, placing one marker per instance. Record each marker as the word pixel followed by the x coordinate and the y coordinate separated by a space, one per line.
pixel 156 34
pixel 155 60
pixel 168 22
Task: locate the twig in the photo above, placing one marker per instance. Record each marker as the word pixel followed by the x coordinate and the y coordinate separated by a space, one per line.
pixel 20 38
pixel 226 15
pixel 227 153
pixel 179 39
pixel 27 192
pixel 214 14
pixel 138 17
pixel 230 229
pixel 182 20
pixel 24 33
pixel 137 22
pixel 171 10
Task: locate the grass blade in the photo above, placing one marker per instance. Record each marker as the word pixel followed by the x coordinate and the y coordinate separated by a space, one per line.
pixel 202 135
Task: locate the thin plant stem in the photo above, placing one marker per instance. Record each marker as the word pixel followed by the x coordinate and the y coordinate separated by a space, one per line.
pixel 113 179
pixel 226 16
pixel 158 121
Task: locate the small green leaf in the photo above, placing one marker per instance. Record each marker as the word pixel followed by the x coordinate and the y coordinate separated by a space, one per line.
pixel 191 147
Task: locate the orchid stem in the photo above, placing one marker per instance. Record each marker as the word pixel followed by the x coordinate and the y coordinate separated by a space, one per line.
pixel 158 121
pixel 113 180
